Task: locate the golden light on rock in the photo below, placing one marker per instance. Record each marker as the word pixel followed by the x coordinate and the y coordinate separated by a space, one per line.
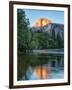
pixel 42 22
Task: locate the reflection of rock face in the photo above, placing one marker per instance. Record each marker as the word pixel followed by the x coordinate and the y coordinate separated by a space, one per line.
pixel 43 72
pixel 42 22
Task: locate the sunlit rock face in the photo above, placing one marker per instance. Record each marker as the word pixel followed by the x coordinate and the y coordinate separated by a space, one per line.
pixel 42 22
pixel 47 26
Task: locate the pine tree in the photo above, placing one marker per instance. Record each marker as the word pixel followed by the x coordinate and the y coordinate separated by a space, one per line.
pixel 22 30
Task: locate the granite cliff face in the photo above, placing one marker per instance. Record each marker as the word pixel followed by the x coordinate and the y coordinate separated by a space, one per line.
pixel 45 25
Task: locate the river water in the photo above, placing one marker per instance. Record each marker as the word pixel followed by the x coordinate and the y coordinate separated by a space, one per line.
pixel 35 66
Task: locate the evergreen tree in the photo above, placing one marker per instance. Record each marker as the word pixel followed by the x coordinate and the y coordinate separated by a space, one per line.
pixel 22 30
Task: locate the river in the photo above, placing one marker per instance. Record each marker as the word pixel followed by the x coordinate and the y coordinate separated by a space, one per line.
pixel 35 66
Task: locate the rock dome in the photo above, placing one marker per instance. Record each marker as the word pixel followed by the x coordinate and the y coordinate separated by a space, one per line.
pixel 42 22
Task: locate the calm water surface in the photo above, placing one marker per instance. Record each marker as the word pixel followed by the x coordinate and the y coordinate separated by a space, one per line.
pixel 40 66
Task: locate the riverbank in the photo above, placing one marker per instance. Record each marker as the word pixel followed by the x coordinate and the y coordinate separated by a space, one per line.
pixel 49 51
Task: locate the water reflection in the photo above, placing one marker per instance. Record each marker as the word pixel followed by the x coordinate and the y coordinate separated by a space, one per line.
pixel 40 66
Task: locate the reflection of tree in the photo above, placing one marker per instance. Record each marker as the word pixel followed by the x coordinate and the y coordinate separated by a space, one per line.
pixel 41 61
pixel 24 61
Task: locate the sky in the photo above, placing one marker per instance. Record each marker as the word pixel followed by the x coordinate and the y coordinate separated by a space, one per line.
pixel 53 15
